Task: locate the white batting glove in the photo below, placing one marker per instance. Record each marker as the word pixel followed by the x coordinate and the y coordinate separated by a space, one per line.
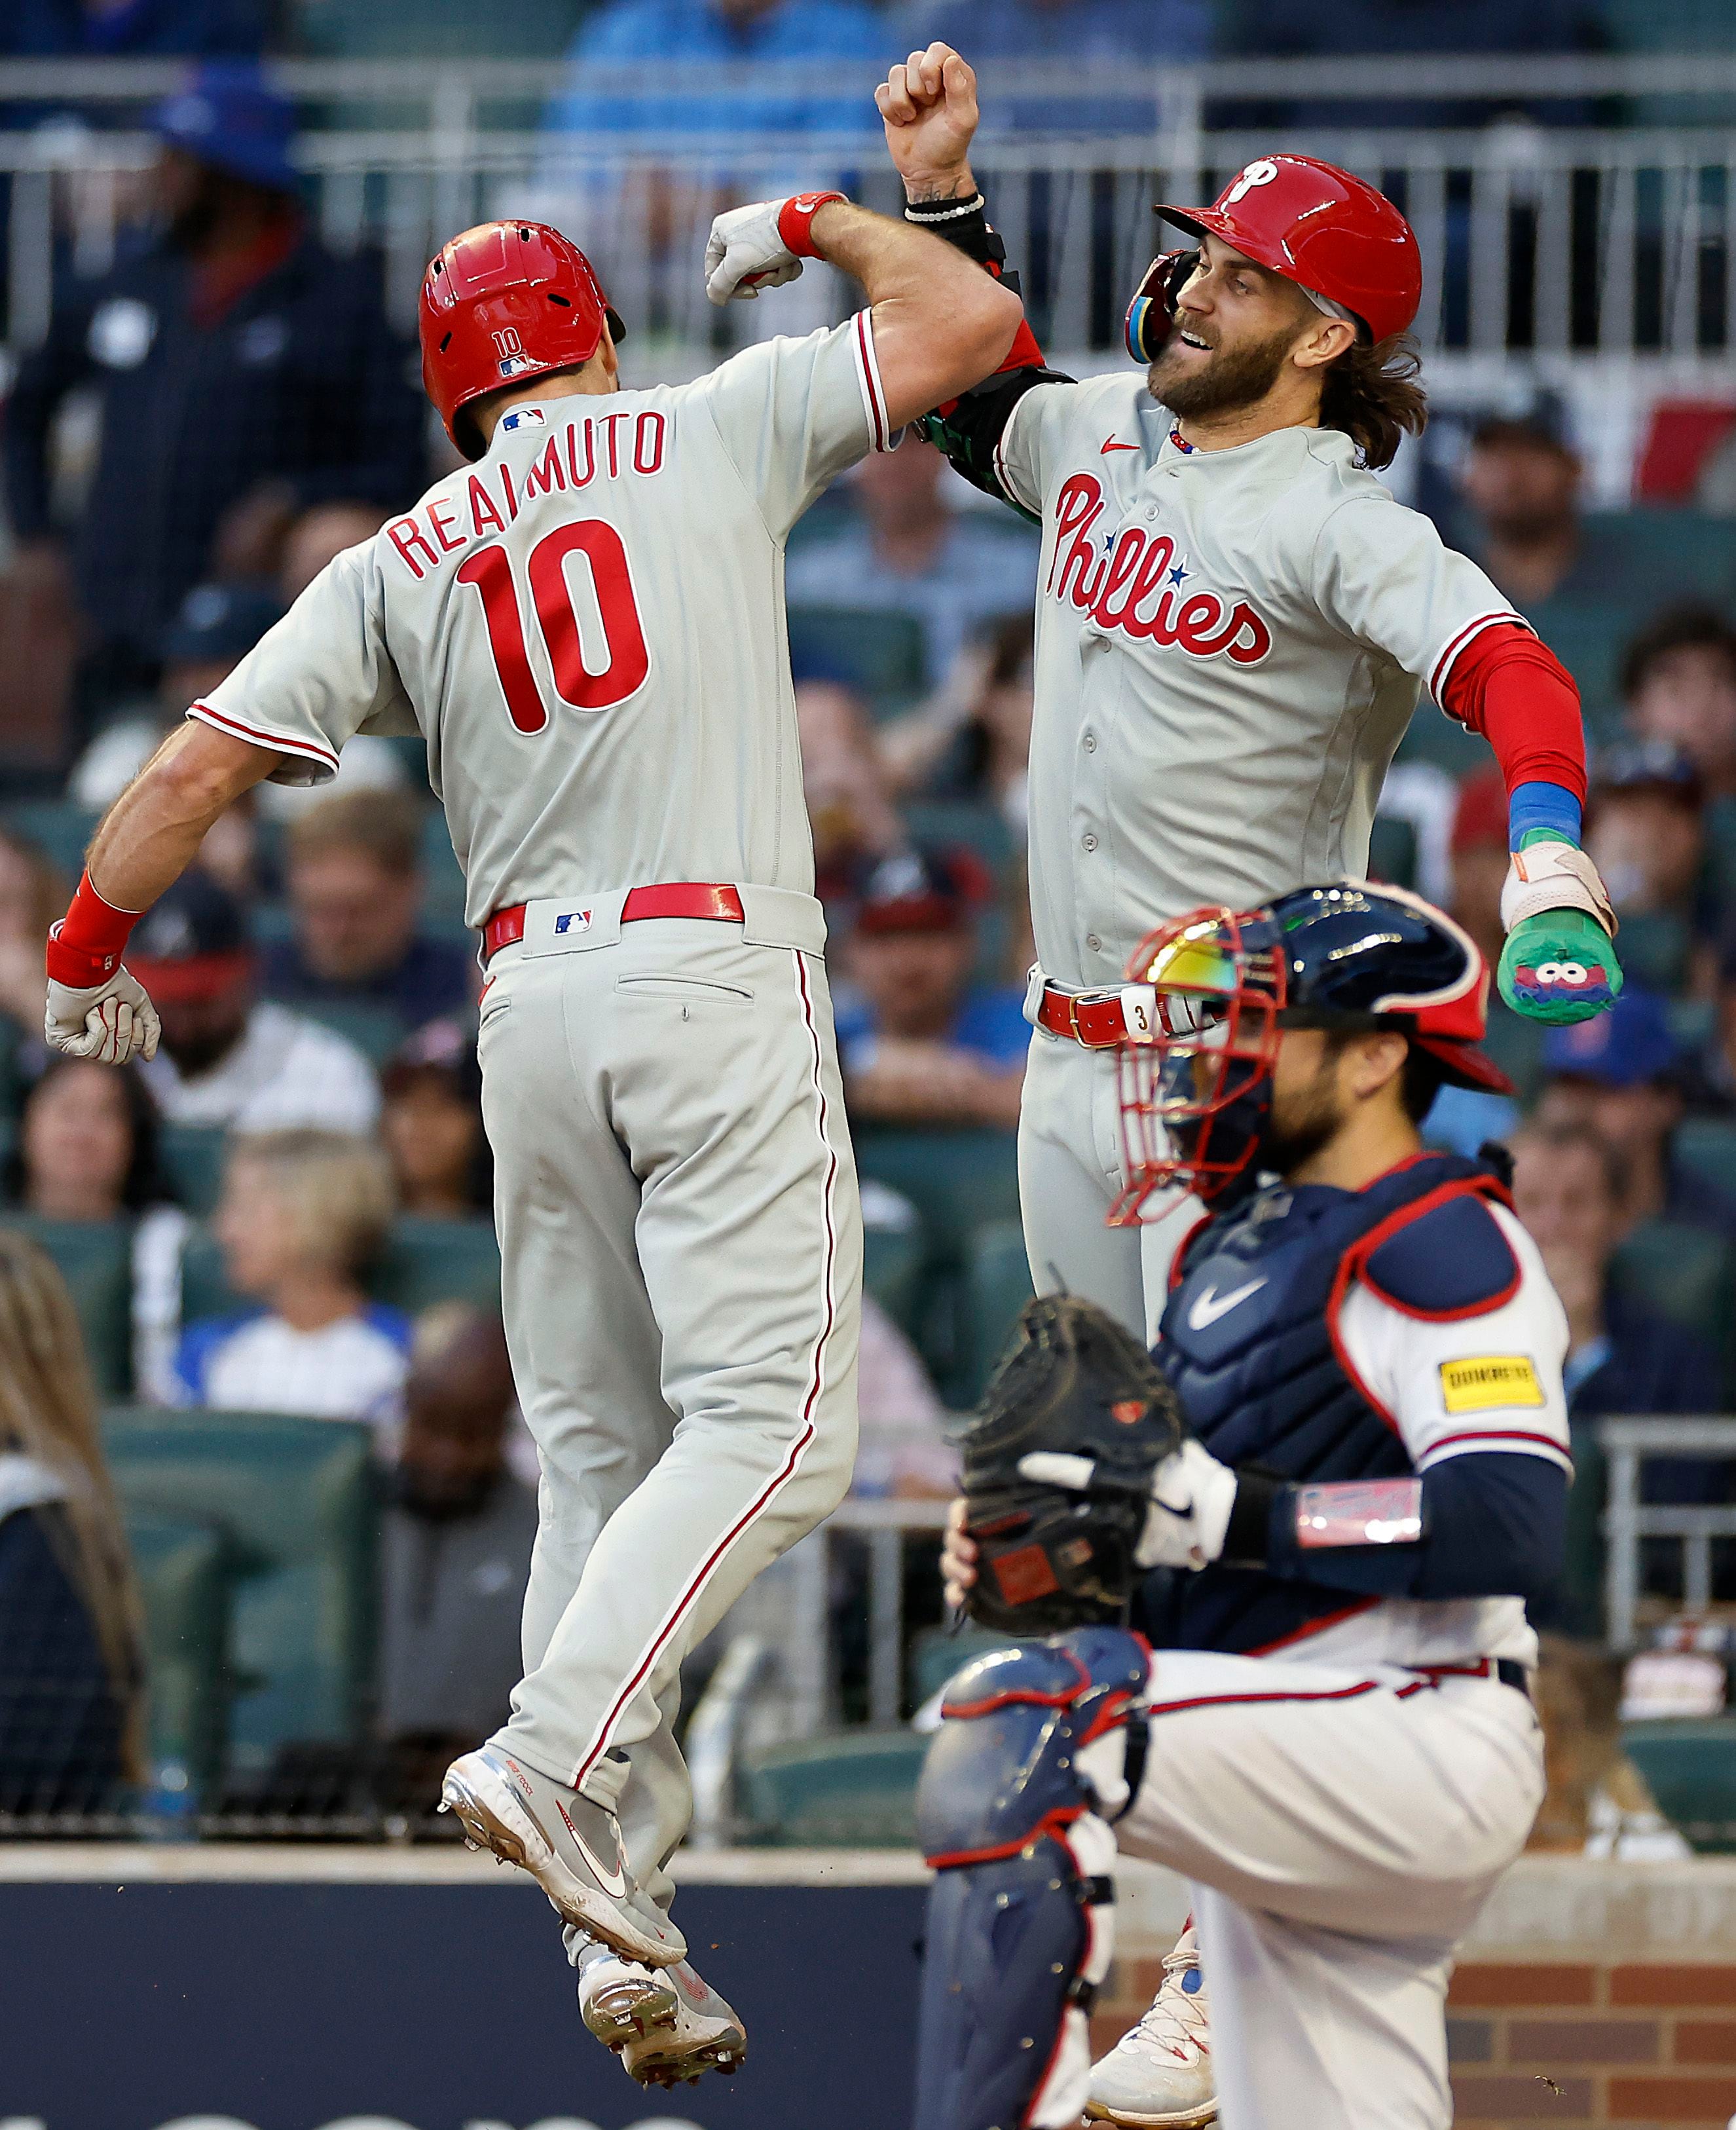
pixel 1192 1495
pixel 762 246
pixel 112 1022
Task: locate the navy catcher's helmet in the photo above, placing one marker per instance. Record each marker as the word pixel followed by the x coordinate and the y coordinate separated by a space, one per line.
pixel 1218 987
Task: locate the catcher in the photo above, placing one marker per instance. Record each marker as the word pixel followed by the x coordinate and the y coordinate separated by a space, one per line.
pixel 1346 1470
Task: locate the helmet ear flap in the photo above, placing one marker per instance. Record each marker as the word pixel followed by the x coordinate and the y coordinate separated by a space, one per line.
pixel 1151 313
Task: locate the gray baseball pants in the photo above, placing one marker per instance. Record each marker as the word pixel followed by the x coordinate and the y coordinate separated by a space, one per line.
pixel 681 1276
pixel 1070 1172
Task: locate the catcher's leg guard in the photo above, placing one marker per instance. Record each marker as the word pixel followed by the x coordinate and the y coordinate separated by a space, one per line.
pixel 1022 1782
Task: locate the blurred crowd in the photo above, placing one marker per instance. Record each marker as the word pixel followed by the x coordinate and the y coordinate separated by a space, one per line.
pixel 302 1178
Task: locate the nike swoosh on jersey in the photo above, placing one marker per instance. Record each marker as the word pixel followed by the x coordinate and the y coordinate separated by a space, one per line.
pixel 612 1882
pixel 1211 1305
pixel 1112 446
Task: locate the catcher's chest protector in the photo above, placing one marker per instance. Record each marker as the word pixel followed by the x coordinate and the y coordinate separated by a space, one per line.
pixel 1249 1341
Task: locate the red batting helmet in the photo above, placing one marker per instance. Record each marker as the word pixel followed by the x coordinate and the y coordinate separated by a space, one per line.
pixel 504 301
pixel 1317 225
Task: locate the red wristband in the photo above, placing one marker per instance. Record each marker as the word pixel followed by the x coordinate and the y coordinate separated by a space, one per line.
pixel 795 222
pixel 85 948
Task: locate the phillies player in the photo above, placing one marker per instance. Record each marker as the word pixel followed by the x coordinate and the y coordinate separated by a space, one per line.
pixel 1235 622
pixel 585 624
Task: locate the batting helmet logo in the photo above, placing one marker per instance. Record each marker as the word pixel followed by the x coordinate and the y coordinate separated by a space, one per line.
pixel 1262 173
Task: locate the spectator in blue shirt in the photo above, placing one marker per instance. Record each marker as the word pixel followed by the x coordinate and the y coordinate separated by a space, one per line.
pixel 920 1042
pixel 760 34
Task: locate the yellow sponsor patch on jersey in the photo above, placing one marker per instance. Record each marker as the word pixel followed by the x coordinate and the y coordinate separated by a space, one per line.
pixel 1492 1379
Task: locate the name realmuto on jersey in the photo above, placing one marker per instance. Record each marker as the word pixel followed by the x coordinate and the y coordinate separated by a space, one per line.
pixel 1135 586
pixel 576 455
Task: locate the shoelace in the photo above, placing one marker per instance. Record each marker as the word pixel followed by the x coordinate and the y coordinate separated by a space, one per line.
pixel 1177 2022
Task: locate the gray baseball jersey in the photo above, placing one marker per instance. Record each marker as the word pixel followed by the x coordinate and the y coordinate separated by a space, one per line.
pixel 1229 645
pixel 587 629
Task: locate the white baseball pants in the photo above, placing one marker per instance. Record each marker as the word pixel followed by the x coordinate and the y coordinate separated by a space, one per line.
pixel 1341 1829
pixel 681 1270
pixel 1070 1174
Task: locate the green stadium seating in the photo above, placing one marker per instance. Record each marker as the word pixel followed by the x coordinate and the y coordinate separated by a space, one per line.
pixel 1691 1020
pixel 1392 851
pixel 430 1261
pixel 1707 1145
pixel 1655 946
pixel 936 1654
pixel 1682 1273
pixel 95 1259
pixel 443 883
pixel 880 655
pixel 432 29
pixel 58 829
pixel 1582 1610
pixel 1690 1768
pixel 296 1502
pixel 1442 741
pixel 183 1585
pixel 853 1790
pixel 950 823
pixel 997 1285
pixel 1589 640
pixel 892 1272
pixel 958 1181
pixel 193 1160
pixel 1516 1045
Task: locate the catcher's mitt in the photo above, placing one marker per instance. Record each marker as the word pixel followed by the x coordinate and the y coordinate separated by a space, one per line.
pixel 1074 1380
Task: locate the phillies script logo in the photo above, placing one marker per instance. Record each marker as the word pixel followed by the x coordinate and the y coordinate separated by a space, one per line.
pixel 1135 584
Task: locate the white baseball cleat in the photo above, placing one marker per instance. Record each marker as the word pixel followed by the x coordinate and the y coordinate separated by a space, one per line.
pixel 706 2035
pixel 569 1845
pixel 623 2000
pixel 1159 2076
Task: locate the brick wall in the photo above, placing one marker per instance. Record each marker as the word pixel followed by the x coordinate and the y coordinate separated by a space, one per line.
pixel 1637 2045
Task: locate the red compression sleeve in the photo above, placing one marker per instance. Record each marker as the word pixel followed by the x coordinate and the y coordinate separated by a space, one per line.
pixel 1512 689
pixel 85 948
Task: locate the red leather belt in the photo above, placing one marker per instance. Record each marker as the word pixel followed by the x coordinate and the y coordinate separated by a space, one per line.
pixel 714 899
pixel 1094 1020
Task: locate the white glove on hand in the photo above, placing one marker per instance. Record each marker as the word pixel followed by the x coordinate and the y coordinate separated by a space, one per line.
pixel 749 249
pixel 1192 1495
pixel 112 1022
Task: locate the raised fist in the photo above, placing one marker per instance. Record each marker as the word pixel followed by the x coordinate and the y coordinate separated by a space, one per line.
pixel 929 106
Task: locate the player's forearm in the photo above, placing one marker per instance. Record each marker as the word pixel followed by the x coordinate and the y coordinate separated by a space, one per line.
pixel 940 323
pixel 153 831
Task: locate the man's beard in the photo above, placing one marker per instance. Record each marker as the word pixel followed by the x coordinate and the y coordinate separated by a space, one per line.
pixel 1315 1119
pixel 1240 377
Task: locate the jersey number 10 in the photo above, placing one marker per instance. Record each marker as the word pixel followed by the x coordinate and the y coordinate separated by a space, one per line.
pixel 490 570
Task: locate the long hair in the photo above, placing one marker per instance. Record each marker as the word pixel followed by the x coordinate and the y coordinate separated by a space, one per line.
pixel 1372 394
pixel 145 1184
pixel 47 1410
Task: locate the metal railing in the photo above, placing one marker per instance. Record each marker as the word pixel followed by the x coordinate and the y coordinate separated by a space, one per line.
pixel 1627 1443
pixel 1585 242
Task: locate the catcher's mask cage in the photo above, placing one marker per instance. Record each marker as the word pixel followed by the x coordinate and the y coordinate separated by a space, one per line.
pixel 1213 985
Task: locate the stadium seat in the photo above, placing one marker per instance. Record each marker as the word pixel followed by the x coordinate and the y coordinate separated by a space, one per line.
pixel 892 1272
pixel 1589 641
pixel 432 29
pixel 58 829
pixel 997 1285
pixel 443 884
pixel 937 1653
pixel 193 1160
pixel 1392 851
pixel 1680 1272
pixel 375 1030
pixel 1691 1768
pixel 970 823
pixel 1580 1611
pixel 1707 1145
pixel 182 1581
pixel 296 1502
pixel 430 1261
pixel 95 1259
pixel 879 655
pixel 851 1789
pixel 958 1181
pixel 1655 946
pixel 1442 741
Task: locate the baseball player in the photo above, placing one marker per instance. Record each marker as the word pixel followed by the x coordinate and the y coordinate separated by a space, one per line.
pixel 585 624
pixel 1235 622
pixel 1350 1474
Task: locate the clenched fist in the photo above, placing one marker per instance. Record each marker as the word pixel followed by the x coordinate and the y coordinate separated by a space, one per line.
pixel 929 106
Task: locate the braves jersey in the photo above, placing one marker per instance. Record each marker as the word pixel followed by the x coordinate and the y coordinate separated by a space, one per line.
pixel 586 627
pixel 1229 646
pixel 1321 1334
